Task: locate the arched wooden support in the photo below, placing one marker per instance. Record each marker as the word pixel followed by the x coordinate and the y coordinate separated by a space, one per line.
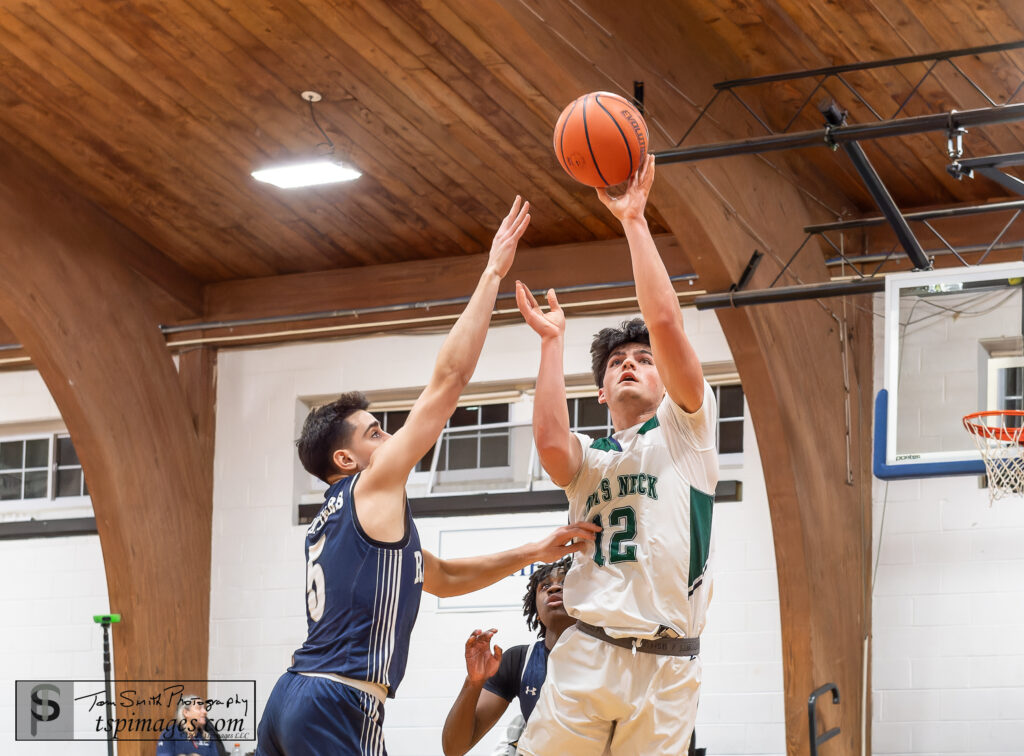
pixel 69 297
pixel 789 355
pixel 790 359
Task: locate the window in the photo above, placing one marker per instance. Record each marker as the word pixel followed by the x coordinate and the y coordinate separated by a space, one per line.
pixel 468 444
pixel 70 480
pixel 24 469
pixel 730 418
pixel 44 467
pixel 587 415
pixel 1006 387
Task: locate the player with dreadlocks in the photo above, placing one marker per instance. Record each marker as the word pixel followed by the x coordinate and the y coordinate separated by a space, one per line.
pixel 494 678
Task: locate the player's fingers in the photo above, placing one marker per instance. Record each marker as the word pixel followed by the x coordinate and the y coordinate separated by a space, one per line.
pixel 648 176
pixel 602 194
pixel 521 225
pixel 553 301
pixel 497 653
pixel 524 300
pixel 513 211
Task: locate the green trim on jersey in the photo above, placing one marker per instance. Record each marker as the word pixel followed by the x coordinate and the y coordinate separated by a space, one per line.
pixel 606 444
pixel 701 505
pixel 649 425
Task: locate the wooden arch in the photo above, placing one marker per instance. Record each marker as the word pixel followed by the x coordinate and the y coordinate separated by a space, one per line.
pixel 798 362
pixel 86 320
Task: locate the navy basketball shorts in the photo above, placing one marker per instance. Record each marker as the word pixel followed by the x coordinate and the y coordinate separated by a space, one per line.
pixel 309 716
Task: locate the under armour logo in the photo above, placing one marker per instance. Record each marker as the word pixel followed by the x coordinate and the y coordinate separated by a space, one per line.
pixel 531 691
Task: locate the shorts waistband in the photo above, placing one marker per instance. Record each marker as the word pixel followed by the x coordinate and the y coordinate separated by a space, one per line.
pixel 661 646
pixel 376 690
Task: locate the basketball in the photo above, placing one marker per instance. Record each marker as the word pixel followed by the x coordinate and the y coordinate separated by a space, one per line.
pixel 600 139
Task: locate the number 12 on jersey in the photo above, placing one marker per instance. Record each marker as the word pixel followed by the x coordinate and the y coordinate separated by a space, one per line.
pixel 621 547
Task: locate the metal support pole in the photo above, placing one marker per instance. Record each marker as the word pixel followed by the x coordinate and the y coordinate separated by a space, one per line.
pixel 898 127
pixel 105 620
pixel 919 215
pixel 836 117
pixel 106 686
pixel 789 293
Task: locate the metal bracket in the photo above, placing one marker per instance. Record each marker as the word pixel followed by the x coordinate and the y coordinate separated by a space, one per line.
pixel 748 272
pixel 817 740
pixel 989 166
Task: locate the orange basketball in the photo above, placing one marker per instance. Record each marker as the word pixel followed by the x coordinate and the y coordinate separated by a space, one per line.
pixel 600 139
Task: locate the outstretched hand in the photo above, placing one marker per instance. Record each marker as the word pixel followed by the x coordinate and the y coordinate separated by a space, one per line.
pixel 511 230
pixel 549 324
pixel 481 663
pixel 567 539
pixel 630 206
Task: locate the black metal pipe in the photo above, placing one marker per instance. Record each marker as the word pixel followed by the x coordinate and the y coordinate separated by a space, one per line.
pixel 842 134
pixel 360 311
pixel 867 66
pixel 970 249
pixel 836 117
pixel 919 215
pixel 789 293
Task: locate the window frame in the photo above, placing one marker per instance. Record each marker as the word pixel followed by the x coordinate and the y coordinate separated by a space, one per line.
pixel 42 507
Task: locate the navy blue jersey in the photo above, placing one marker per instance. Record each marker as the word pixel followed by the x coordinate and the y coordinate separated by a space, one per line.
pixel 362 595
pixel 521 674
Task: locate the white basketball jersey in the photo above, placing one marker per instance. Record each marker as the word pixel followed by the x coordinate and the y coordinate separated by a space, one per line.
pixel 651 488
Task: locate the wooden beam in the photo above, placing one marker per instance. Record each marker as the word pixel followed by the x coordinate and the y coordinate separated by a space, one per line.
pixel 422 280
pixel 172 291
pixel 110 373
pixel 788 356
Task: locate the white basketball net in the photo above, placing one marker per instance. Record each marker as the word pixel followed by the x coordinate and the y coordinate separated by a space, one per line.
pixel 998 436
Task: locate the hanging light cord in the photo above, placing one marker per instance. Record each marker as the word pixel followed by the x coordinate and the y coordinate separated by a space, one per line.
pixel 312 114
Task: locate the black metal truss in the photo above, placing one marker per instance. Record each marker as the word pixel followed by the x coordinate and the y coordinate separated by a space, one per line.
pixel 836 133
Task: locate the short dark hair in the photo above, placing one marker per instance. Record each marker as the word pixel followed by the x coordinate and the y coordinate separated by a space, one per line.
pixel 325 431
pixel 530 597
pixel 607 340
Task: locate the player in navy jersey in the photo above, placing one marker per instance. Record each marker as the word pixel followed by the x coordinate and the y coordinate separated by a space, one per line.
pixel 365 570
pixel 495 678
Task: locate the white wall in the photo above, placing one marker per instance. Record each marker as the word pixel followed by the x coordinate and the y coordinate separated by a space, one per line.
pixel 948 672
pixel 50 590
pixel 257 606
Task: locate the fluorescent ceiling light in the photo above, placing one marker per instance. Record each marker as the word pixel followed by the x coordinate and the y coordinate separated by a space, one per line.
pixel 306 174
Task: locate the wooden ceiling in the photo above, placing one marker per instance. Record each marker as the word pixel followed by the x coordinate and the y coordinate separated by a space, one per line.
pixel 157 113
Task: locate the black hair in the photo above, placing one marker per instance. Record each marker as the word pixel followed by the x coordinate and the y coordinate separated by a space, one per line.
pixel 530 597
pixel 607 340
pixel 325 431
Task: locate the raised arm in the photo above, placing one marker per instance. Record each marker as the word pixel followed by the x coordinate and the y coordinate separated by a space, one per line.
pixel 380 489
pixel 676 359
pixel 475 710
pixel 453 577
pixel 559 450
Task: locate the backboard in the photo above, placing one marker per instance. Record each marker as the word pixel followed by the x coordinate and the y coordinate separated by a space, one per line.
pixel 953 345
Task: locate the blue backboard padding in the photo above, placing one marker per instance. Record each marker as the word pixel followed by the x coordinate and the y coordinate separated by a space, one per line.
pixel 884 471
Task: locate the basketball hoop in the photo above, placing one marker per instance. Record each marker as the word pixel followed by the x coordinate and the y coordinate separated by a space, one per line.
pixel 999 435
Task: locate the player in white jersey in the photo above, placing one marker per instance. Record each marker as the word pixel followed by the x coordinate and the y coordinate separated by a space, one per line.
pixel 627 676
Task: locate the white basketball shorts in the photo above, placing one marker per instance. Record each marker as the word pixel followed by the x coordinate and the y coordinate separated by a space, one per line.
pixel 599 698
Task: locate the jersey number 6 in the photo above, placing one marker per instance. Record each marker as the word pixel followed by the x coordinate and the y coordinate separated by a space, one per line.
pixel 315 583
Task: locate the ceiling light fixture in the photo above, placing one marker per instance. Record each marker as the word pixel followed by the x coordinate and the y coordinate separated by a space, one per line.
pixel 326 170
